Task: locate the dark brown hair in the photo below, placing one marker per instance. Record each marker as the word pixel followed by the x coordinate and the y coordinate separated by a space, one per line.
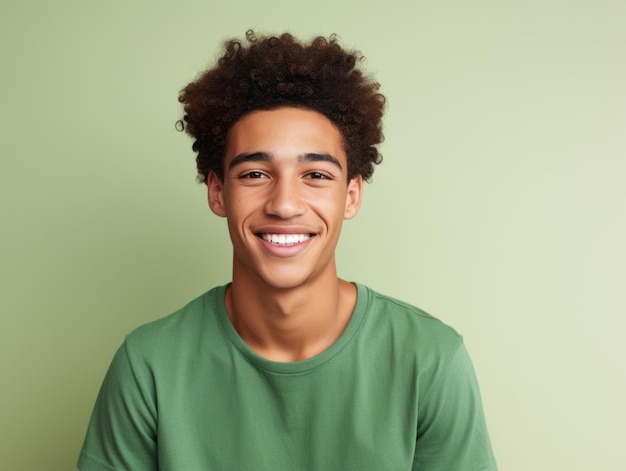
pixel 270 72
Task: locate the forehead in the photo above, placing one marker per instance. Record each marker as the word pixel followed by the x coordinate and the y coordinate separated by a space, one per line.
pixel 285 133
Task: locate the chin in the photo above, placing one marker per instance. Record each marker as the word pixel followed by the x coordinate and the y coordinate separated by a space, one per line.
pixel 287 279
pixel 284 283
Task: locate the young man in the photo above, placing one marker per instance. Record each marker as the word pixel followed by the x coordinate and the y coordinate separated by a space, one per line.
pixel 288 367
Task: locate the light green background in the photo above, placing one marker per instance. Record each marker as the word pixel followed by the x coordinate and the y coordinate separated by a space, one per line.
pixel 500 206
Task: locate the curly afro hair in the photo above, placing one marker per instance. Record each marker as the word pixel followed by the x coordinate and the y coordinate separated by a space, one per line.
pixel 271 72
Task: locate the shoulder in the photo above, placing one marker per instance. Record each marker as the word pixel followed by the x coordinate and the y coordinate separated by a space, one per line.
pixel 408 323
pixel 413 345
pixel 186 326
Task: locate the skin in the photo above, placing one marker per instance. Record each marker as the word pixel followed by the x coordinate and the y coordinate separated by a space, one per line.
pixel 285 173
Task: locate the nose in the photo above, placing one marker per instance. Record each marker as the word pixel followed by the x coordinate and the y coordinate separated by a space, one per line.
pixel 284 200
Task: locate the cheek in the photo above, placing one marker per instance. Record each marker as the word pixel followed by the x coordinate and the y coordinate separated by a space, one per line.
pixel 330 209
pixel 240 212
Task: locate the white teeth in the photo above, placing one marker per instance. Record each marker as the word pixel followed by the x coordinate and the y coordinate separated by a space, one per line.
pixel 285 239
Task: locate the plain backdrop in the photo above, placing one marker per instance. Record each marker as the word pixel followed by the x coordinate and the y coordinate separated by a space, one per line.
pixel 499 207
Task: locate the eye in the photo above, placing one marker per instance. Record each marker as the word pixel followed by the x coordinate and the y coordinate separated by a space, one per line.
pixel 318 176
pixel 253 174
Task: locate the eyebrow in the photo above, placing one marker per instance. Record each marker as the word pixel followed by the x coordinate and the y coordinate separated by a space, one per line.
pixel 251 157
pixel 266 157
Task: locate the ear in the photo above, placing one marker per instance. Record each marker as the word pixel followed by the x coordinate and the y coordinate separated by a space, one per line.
pixel 353 197
pixel 215 188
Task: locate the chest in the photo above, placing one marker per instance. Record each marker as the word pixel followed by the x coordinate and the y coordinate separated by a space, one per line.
pixel 233 416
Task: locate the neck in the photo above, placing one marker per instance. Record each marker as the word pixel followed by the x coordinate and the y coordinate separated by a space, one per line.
pixel 290 324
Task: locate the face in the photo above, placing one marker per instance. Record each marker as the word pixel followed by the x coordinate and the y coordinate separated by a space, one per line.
pixel 285 195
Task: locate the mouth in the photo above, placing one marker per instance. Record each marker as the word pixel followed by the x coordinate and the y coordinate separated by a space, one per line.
pixel 284 240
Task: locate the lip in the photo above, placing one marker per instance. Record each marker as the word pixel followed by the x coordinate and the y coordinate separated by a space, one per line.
pixel 287 249
pixel 284 239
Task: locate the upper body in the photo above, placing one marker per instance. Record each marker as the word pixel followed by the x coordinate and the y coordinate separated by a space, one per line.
pixel 285 135
pixel 395 392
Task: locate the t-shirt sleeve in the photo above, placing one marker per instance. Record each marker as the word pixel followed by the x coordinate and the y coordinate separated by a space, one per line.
pixel 122 432
pixel 452 434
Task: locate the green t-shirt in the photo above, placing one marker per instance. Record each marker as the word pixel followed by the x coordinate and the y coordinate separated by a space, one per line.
pixel 397 391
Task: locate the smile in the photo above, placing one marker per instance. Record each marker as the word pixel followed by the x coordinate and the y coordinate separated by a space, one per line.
pixel 285 239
